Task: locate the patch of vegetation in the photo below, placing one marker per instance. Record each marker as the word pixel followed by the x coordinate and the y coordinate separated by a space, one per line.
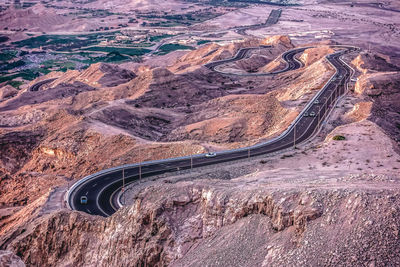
pixel 186 19
pixel 115 57
pixel 167 48
pixel 287 156
pixel 7 55
pixel 28 75
pixel 200 42
pixel 53 42
pixel 339 137
pixel 56 65
pixel 161 24
pixel 123 51
pixel 157 38
pixel 12 65
pixel 64 42
pixel 3 39
pixel 15 84
pixel 112 57
pixel 130 44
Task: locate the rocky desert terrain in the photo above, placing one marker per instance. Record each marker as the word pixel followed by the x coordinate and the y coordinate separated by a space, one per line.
pixel 328 202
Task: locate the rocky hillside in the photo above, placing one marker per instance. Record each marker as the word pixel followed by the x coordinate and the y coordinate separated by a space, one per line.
pixel 327 203
pixel 60 132
pixel 379 84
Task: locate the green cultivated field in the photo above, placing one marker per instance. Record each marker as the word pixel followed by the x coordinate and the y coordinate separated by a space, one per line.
pixel 123 51
pixel 157 38
pixel 200 42
pixel 167 48
pixel 63 42
pixel 7 55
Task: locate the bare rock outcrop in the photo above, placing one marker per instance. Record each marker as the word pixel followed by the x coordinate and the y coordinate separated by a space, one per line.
pixel 8 259
pixel 97 75
pixel 37 17
pixel 311 55
pixel 281 40
pixel 383 89
pixel 7 92
pixel 165 89
pixel 359 112
pixel 369 62
pixel 235 118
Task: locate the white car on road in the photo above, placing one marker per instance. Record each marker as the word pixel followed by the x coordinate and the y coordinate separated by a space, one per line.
pixel 211 154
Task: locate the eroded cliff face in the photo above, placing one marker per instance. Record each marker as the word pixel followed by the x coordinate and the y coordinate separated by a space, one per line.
pixel 380 85
pixel 198 223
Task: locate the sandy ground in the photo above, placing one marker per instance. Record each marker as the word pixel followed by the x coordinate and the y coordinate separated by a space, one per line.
pixel 241 17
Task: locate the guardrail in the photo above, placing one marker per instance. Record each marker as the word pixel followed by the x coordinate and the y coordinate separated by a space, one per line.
pixel 71 190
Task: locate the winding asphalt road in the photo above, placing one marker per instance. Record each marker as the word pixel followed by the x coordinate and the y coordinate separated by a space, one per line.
pixel 292 62
pixel 102 189
pixel 36 86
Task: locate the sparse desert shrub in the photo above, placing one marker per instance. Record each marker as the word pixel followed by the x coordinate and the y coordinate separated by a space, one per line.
pixel 287 156
pixel 339 137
